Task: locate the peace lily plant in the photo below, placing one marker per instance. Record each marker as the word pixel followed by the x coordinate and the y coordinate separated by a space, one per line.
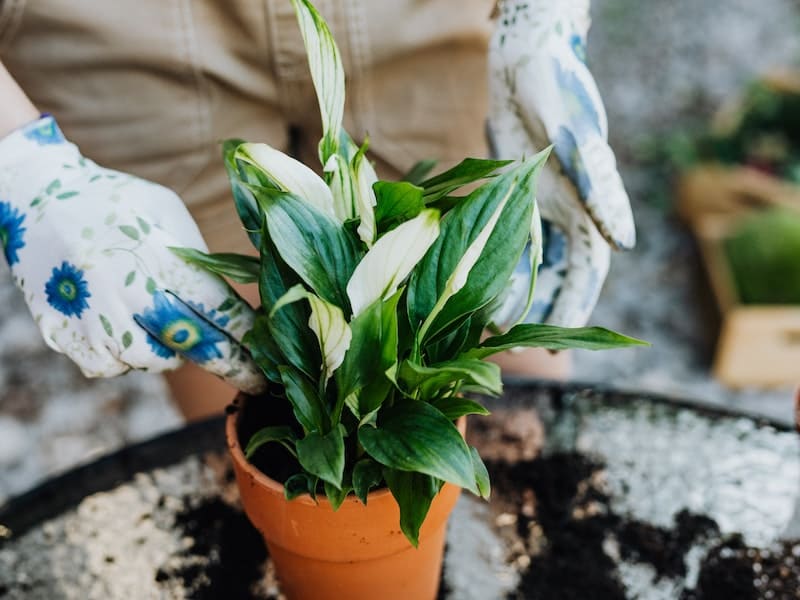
pixel 375 295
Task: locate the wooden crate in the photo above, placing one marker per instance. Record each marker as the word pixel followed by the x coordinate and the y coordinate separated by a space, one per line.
pixel 759 345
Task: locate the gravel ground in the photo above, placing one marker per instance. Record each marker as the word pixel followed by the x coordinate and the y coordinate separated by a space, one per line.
pixel 661 66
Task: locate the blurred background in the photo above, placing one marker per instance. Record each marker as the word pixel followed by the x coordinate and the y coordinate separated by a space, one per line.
pixel 666 70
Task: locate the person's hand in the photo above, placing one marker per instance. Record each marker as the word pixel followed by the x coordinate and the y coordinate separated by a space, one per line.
pixel 89 248
pixel 542 93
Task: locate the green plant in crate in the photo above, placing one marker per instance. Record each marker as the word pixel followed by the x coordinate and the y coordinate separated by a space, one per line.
pixel 375 295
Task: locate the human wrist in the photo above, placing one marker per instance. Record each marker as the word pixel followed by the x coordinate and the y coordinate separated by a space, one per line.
pixel 17 109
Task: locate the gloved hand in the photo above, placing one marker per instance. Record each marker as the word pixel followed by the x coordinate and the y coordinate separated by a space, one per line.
pixel 89 248
pixel 542 93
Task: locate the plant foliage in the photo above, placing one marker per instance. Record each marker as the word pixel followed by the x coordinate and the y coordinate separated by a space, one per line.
pixel 374 296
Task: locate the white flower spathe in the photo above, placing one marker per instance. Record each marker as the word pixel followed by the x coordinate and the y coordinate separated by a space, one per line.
pixel 289 175
pixel 365 178
pixel 328 324
pixel 391 260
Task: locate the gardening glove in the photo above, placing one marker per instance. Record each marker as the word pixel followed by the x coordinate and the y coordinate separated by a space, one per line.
pixel 89 248
pixel 542 93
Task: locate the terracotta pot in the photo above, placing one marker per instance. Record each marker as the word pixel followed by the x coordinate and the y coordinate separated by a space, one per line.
pixel 357 552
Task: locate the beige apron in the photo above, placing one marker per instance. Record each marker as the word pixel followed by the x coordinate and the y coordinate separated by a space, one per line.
pixel 151 87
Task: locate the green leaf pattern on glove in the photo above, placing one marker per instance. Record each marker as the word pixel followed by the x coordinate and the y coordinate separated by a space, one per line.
pixel 89 248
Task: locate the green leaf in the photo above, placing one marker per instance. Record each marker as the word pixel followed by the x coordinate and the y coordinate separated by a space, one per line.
pixel 129 278
pixel 397 202
pixel 432 381
pixel 367 474
pixel 304 398
pixel 316 247
pixel 66 195
pixel 52 186
pixel 414 493
pixel 335 495
pixel 131 232
pixel 143 225
pixel 481 474
pixel 323 455
pixel 150 285
pixel 127 339
pixel 413 436
pixel 480 243
pixel 106 326
pixel 454 407
pixel 373 350
pixel 551 337
pixel 288 327
pixel 299 484
pixel 467 171
pixel 263 349
pixel 419 171
pixel 279 433
pixel 238 267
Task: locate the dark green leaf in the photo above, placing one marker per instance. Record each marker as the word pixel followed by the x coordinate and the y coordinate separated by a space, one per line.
pixel 299 484
pixel 373 350
pixel 367 474
pixel 127 339
pixel 397 202
pixel 131 232
pixel 243 198
pixel 335 495
pixel 263 349
pixel 288 327
pixel 432 381
pixel 323 455
pixel 420 171
pixel 413 436
pixel 279 433
pixel 551 337
pixel 106 326
pixel 467 171
pixel 238 267
pixel 460 227
pixel 316 247
pixel 305 400
pixel 481 474
pixel 454 407
pixel 66 195
pixel 414 493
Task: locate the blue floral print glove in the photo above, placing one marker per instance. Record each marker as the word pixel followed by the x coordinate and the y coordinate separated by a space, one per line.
pixel 90 250
pixel 542 94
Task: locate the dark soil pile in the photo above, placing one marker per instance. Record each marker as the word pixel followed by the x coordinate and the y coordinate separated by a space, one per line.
pixel 734 571
pixel 225 558
pixel 569 523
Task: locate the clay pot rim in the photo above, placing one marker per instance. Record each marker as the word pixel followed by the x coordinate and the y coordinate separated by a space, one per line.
pixel 257 475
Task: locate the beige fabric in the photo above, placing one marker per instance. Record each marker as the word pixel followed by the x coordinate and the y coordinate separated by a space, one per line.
pixel 152 86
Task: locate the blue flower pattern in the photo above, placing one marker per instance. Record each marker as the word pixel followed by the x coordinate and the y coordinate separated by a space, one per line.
pixel 67 290
pixel 11 231
pixel 174 327
pixel 44 132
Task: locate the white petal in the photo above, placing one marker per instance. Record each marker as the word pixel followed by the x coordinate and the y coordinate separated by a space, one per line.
pixel 365 177
pixel 327 73
pixel 341 187
pixel 391 260
pixel 289 175
pixel 328 323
